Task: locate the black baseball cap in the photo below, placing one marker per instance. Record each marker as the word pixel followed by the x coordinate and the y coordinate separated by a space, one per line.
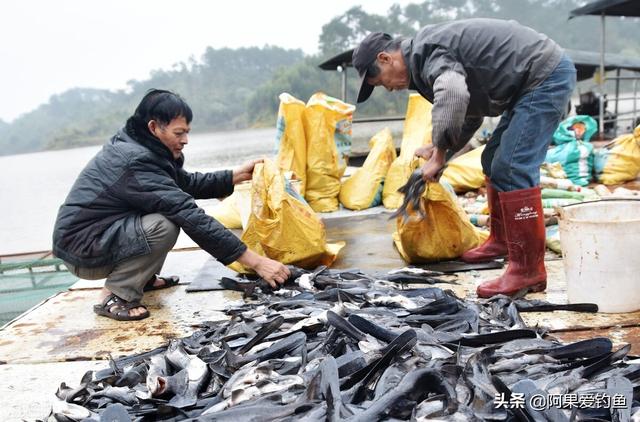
pixel 364 55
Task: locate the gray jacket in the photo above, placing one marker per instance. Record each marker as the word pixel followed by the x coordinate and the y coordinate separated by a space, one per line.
pixel 99 222
pixel 484 66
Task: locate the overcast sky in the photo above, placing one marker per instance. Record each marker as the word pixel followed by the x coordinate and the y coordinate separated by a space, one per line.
pixel 49 46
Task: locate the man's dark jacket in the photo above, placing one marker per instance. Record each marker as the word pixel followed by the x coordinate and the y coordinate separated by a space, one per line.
pixel 498 60
pixel 99 223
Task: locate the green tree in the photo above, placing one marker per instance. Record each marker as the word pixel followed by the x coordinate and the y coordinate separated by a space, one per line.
pixel 217 88
pixel 239 88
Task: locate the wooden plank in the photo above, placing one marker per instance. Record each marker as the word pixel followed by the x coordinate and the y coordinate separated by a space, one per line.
pixel 618 335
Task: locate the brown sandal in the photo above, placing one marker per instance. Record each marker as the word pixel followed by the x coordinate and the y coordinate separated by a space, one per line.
pixel 168 282
pixel 115 307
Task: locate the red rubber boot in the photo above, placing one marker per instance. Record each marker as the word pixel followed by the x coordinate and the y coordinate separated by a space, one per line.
pixel 495 246
pixel 525 237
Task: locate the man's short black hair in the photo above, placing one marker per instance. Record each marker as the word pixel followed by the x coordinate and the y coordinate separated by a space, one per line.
pixel 364 59
pixel 159 105
pixel 374 70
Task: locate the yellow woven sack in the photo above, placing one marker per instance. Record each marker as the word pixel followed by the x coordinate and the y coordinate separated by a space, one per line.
pixel 364 188
pixel 282 226
pixel 619 161
pixel 327 127
pixel 416 133
pixel 226 212
pixel 444 233
pixel 291 143
pixel 464 173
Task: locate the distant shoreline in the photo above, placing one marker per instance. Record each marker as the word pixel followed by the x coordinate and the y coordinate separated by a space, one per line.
pixel 102 140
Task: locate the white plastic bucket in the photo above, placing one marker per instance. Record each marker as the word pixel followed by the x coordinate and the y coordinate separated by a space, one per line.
pixel 601 250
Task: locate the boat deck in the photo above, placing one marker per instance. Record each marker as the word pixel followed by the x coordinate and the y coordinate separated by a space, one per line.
pixel 61 338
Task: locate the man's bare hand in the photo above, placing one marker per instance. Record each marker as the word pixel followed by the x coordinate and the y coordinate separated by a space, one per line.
pixel 432 169
pixel 425 151
pixel 273 272
pixel 244 172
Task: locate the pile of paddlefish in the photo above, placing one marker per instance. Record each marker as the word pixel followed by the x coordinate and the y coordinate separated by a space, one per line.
pixel 334 345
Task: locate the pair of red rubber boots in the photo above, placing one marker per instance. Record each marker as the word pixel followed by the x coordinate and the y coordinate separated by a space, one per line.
pixel 516 230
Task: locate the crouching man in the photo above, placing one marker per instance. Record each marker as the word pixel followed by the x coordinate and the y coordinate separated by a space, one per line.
pixel 127 206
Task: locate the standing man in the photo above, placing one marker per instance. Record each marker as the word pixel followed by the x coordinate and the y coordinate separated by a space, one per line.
pixel 470 69
pixel 126 208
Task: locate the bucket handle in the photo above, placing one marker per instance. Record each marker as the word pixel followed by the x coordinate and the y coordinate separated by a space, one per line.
pixel 561 209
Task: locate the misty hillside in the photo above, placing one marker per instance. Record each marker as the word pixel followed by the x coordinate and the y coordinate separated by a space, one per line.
pixel 239 88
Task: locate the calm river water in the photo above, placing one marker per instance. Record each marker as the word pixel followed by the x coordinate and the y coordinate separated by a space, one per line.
pixel 33 186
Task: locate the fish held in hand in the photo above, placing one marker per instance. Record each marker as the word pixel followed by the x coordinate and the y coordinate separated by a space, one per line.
pixel 412 191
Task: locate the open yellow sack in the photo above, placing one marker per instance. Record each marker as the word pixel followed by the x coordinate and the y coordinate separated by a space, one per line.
pixel 291 142
pixel 464 173
pixel 281 226
pixel 444 233
pixel 364 188
pixel 227 213
pixel 619 161
pixel 416 133
pixel 327 127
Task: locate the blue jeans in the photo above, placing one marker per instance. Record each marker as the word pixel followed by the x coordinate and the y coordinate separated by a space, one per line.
pixel 519 143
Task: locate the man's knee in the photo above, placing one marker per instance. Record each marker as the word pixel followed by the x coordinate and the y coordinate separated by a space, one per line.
pixel 160 230
pixel 89 273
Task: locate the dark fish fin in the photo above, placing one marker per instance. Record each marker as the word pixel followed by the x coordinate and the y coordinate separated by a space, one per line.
pixel 296 272
pixel 493 338
pixel 330 387
pixel 520 413
pixel 231 358
pixel 132 377
pixel 606 361
pixel 350 363
pixel 313 390
pixel 231 284
pixel 282 347
pixel 446 305
pixel 582 349
pixel 345 326
pixel 371 328
pixel 543 306
pixel 397 347
pixel 416 279
pixel 87 377
pixel 415 386
pixel 266 329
